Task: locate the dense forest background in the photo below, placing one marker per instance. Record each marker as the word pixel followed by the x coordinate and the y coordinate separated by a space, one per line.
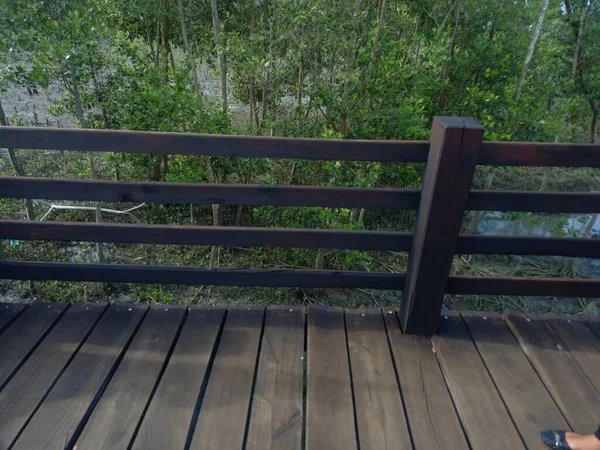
pixel 370 69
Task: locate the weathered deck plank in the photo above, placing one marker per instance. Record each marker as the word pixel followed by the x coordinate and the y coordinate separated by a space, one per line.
pixel 378 403
pixel 486 421
pixel 329 406
pixel 24 334
pixel 25 391
pixel 582 343
pixel 431 415
pixel 8 313
pixel 570 388
pixel 276 419
pixel 59 418
pixel 224 410
pixel 525 396
pixel 166 424
pixel 117 415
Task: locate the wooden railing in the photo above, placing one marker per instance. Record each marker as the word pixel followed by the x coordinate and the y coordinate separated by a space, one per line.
pixel 455 149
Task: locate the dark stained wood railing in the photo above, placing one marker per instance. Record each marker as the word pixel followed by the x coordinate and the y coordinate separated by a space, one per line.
pixel 454 151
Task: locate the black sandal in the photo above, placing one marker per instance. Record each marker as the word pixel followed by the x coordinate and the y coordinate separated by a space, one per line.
pixel 555 439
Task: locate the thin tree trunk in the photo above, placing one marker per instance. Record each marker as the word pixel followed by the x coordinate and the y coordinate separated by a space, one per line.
pixel 17 167
pixel 579 38
pixel 94 174
pixel 375 46
pixel 532 44
pixel 594 123
pixel 320 261
pixel 267 77
pixel 188 49
pixel 220 53
pixel 252 82
pixel 217 215
pixel 350 66
pixel 448 63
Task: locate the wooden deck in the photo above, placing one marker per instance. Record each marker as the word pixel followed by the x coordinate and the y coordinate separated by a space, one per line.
pixel 121 376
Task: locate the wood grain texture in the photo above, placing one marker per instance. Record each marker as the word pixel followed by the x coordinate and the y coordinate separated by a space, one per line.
pixel 121 273
pixel 329 407
pixel 525 396
pixel 166 424
pixel 117 415
pixel 484 417
pixel 20 339
pixel 195 235
pixel 431 415
pixel 448 178
pixel 548 202
pixel 527 245
pixel 582 343
pixel 212 144
pixel 8 313
pixel 206 194
pixel 378 404
pixel 25 391
pixel 572 391
pixel 538 286
pixel 276 418
pixel 59 419
pixel 539 154
pixel 224 410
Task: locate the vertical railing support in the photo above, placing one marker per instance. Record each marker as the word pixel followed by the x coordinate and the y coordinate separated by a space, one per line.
pixel 455 143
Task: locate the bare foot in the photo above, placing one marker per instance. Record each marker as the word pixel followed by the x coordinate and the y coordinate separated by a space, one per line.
pixel 582 442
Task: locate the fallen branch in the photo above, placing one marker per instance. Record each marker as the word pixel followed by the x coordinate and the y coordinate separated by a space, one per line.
pixel 91 208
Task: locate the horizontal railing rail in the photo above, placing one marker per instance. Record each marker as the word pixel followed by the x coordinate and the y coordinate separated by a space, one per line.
pixel 454 151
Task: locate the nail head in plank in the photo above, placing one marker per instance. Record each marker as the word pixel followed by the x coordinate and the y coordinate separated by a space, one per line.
pixel 117 414
pixel 431 415
pixel 329 408
pixel 276 419
pixel 23 335
pixel 166 423
pixel 378 404
pixel 66 408
pixel 481 410
pixel 8 313
pixel 525 396
pixel 570 388
pixel 582 343
pixel 22 395
pixel 224 410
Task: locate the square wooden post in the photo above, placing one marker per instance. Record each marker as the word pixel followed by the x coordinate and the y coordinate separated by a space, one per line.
pixel 455 143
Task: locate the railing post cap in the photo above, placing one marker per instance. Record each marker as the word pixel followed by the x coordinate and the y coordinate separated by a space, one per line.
pixel 457 122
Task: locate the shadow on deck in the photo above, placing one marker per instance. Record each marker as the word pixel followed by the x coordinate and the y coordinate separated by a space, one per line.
pixel 97 376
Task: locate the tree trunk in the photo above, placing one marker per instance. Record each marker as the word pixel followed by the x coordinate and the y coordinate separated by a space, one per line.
pixel 220 53
pixel 267 77
pixel 532 44
pixel 320 261
pixel 374 48
pixel 252 82
pixel 579 37
pixel 350 65
pixel 188 50
pixel 94 174
pixel 17 167
pixel 448 63
pixel 217 215
pixel 594 123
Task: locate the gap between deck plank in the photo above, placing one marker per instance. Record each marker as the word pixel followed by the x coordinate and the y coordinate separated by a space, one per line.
pixel 570 388
pixel 64 411
pixel 224 411
pixel 116 416
pixel 276 413
pixel 25 391
pixel 524 394
pixel 433 421
pixel 8 313
pixel 483 414
pixel 330 421
pixel 167 421
pixel 22 337
pixel 378 403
